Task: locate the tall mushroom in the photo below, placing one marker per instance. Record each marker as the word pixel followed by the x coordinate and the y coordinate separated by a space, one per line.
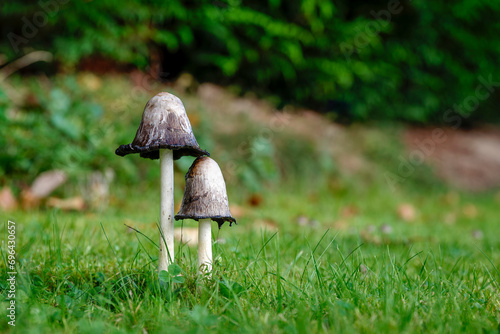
pixel 205 199
pixel 164 133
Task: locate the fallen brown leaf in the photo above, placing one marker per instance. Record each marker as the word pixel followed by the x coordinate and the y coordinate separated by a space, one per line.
pixel 28 200
pixel 349 211
pixel 407 212
pixel 47 182
pixel 236 210
pixel 255 200
pixel 187 235
pixel 265 224
pixel 7 200
pixel 67 204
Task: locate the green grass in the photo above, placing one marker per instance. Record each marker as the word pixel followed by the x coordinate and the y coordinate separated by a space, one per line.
pixel 89 273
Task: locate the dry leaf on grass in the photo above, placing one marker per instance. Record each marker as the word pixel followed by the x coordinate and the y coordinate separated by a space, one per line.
pixel 7 200
pixel 407 212
pixel 67 204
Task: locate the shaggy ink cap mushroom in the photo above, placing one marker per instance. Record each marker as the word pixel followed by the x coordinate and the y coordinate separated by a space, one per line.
pixel 205 193
pixel 164 125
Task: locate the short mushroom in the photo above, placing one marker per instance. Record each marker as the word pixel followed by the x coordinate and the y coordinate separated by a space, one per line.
pixel 164 133
pixel 205 199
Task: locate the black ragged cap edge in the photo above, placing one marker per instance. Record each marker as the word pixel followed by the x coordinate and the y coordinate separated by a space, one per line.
pixel 219 219
pixel 152 152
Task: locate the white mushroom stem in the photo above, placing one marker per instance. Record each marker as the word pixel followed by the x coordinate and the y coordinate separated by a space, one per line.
pixel 166 210
pixel 205 246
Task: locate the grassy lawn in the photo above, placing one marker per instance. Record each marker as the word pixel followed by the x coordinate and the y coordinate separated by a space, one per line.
pixel 89 272
pixel 328 253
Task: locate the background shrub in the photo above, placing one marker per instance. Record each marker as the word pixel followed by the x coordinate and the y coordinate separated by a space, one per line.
pixel 362 60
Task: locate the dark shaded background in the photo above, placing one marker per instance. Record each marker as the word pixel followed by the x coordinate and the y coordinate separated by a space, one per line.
pixel 360 60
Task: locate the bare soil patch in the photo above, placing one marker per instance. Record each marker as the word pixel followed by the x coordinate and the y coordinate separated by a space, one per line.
pixel 466 159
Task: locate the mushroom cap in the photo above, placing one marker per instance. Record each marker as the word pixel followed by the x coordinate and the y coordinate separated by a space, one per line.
pixel 205 193
pixel 164 125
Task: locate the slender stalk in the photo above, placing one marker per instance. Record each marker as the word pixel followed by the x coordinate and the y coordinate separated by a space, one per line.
pixel 205 246
pixel 166 210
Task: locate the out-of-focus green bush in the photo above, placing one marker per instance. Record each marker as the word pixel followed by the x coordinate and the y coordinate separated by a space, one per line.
pixel 56 127
pixel 409 60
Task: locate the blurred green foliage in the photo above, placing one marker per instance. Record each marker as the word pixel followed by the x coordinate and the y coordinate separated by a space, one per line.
pixel 403 60
pixel 54 127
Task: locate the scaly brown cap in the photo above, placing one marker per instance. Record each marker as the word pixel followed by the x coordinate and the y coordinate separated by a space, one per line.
pixel 164 125
pixel 205 194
